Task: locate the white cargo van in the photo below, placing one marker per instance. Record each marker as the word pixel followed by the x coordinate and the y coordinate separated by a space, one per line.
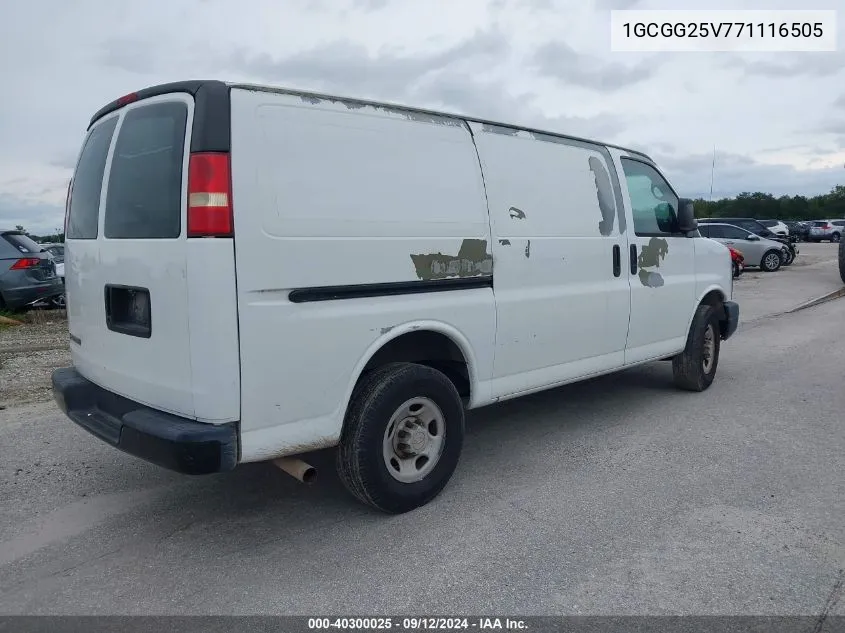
pixel 255 273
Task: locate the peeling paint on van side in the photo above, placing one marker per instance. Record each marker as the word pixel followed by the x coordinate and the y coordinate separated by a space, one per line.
pixel 472 260
pixel 516 214
pixel 604 193
pixel 498 129
pixel 650 257
pixel 410 115
pixel 505 242
pixel 528 249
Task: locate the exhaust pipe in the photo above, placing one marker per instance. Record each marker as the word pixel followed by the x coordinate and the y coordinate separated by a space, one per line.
pixel 297 469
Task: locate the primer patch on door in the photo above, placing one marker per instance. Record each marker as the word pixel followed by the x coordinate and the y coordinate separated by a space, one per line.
pixel 604 193
pixel 650 257
pixel 472 260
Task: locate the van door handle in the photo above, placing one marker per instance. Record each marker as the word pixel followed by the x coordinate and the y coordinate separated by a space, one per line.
pixel 633 259
pixel 617 260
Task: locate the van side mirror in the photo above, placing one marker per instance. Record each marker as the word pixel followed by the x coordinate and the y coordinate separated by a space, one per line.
pixel 686 216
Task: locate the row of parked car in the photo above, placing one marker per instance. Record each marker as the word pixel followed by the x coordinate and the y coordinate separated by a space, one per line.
pixel 815 230
pixel 752 242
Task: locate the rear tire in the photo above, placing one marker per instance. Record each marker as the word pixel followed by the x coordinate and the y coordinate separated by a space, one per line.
pixel 788 258
pixel 737 270
pixel 835 237
pixel 695 368
pixel 382 467
pixel 771 261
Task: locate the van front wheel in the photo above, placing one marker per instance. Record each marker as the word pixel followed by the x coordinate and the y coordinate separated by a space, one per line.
pixel 402 437
pixel 695 368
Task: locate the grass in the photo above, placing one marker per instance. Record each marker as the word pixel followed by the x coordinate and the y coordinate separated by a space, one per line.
pixel 34 317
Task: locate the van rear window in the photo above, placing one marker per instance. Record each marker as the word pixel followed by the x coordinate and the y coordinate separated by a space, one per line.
pixel 144 199
pixel 88 183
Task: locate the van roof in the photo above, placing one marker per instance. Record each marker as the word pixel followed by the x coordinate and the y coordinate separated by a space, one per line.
pixel 193 87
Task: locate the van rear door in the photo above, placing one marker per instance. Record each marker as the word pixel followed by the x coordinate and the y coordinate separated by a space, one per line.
pixel 152 312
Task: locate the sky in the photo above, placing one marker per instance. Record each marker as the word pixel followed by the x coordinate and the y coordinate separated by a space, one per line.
pixel 775 120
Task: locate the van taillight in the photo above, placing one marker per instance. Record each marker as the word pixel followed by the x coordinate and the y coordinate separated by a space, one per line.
pixel 26 262
pixel 210 195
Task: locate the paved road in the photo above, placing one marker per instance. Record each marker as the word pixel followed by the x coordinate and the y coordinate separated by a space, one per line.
pixel 617 496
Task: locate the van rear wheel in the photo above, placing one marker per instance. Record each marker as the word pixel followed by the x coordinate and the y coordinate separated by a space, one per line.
pixel 695 368
pixel 402 437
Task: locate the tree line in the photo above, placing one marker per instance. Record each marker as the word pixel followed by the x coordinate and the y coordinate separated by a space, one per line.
pixel 765 206
pixel 51 238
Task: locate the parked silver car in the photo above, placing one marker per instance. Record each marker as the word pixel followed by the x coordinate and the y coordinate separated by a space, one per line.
pixel 758 251
pixel 826 230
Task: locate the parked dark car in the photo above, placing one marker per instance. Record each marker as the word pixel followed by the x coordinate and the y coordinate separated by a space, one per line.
pixel 799 230
pixel 27 272
pixel 756 227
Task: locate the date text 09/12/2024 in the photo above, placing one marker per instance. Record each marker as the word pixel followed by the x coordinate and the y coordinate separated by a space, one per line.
pixel 417 624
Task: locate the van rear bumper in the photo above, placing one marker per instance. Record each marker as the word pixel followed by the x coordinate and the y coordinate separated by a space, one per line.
pixel 173 442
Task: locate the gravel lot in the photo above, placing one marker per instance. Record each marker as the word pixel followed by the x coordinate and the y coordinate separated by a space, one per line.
pixel 28 355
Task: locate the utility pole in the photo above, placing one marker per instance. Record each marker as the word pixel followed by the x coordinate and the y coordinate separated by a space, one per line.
pixel 712 170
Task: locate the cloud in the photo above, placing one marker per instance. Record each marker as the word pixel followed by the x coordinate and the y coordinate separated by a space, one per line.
pixel 370 5
pixel 788 65
pixel 350 69
pixel 616 5
pixel 133 55
pixel 736 173
pixel 37 218
pixel 559 61
pixel 778 120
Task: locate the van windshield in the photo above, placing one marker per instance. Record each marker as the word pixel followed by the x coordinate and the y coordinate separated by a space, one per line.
pixel 144 196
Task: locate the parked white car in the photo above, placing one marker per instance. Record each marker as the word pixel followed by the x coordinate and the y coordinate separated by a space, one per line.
pixel 58 253
pixel 394 267
pixel 777 227
pixel 758 251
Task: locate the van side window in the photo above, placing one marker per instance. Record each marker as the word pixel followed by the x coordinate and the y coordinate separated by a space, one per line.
pixel 653 203
pixel 84 213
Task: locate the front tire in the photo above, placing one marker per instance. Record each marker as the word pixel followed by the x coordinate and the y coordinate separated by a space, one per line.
pixel 771 261
pixel 402 437
pixel 788 257
pixel 737 270
pixel 695 368
pixel 835 237
pixel 842 261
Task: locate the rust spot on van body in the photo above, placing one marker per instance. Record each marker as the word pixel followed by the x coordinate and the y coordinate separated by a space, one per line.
pixel 650 257
pixel 472 260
